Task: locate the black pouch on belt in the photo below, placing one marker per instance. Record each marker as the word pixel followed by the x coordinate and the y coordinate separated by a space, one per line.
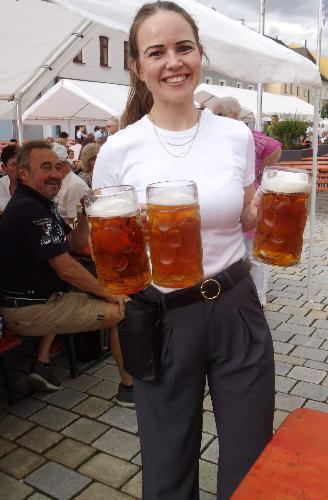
pixel 139 335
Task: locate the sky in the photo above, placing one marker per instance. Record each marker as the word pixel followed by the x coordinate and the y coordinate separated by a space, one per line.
pixel 289 20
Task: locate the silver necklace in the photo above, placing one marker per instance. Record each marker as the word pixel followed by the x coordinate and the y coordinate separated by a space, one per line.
pixel 190 141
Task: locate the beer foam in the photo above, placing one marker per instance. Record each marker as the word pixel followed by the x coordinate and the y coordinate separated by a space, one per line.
pixel 114 206
pixel 281 181
pixel 171 197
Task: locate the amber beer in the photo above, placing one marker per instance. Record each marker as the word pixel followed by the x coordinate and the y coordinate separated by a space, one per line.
pixel 281 216
pixel 117 239
pixel 174 234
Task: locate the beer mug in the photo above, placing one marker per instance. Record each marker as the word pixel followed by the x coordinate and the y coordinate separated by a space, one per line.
pixel 281 216
pixel 117 239
pixel 174 234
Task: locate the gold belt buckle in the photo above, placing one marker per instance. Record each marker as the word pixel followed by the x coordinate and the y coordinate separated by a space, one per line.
pixel 205 293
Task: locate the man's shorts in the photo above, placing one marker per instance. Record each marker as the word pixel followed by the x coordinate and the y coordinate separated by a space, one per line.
pixel 70 312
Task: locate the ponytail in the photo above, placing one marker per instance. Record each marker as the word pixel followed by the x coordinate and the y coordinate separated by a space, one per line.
pixel 139 103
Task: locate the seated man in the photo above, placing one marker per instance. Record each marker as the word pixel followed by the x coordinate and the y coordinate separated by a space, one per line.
pixel 37 270
pixel 73 188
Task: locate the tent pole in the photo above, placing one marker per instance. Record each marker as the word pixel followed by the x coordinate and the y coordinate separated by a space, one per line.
pixel 258 124
pixel 19 121
pixel 314 161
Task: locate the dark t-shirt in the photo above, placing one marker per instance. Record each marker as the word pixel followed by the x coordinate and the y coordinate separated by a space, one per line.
pixel 31 232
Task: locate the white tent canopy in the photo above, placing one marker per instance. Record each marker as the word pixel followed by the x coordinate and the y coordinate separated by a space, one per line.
pixel 271 103
pixel 232 48
pixel 77 101
pixel 36 42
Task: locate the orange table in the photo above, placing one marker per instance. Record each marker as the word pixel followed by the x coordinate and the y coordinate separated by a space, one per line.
pixel 294 465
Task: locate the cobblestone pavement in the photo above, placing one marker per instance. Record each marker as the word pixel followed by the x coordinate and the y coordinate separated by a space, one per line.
pixel 77 443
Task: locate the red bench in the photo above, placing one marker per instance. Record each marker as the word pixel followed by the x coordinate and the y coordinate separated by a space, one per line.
pixel 8 342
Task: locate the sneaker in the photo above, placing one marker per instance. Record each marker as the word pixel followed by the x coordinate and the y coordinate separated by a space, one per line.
pixel 42 378
pixel 125 396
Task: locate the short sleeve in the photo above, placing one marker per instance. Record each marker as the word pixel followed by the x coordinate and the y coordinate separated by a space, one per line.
pixel 73 198
pixel 46 235
pixel 249 176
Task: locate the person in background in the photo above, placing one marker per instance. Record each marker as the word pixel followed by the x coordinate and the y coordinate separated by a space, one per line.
pixel 8 181
pixel 88 159
pixel 81 133
pixel 50 140
pixel 274 121
pixel 267 152
pixel 99 132
pixel 112 126
pixel 72 189
pixel 221 337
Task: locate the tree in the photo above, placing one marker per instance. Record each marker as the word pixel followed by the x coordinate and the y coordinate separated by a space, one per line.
pixel 324 109
pixel 288 131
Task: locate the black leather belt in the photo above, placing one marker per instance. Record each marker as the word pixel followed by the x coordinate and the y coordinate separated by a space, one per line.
pixel 14 302
pixel 211 289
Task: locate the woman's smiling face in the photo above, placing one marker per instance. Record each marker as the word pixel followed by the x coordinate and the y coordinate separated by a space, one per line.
pixel 169 58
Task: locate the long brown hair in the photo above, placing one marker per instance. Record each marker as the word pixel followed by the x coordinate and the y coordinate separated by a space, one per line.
pixel 140 100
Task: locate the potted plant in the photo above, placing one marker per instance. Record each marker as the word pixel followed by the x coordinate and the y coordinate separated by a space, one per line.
pixel 288 131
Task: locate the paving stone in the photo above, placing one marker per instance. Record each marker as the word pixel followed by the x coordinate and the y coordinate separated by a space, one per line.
pixel 209 424
pixel 321 333
pixel 273 324
pixel 292 360
pixel 305 341
pixel 134 486
pixel 38 496
pixel 85 430
pixel 272 307
pixel 282 368
pixel 317 405
pixel 67 398
pixel 105 390
pixel 26 407
pixel 308 352
pixel 207 476
pixel 317 365
pixel 294 311
pixel 207 404
pixel 123 418
pixel 211 454
pixel 70 453
pixel 98 491
pixel 39 439
pixel 307 374
pixel 298 329
pixel 54 418
pixel 310 391
pixel 301 320
pixel 109 372
pixel 325 345
pixel 318 315
pixel 284 384
pixel 204 495
pixel 288 402
pixel 277 316
pixel 20 462
pixel 288 298
pixel 278 418
pixel 282 347
pixel 58 481
pixel 6 447
pixel 11 489
pixel 118 443
pixel 92 407
pixel 12 427
pixel 205 441
pixel 321 323
pixel 109 470
pixel 137 460
pixel 280 335
pixel 81 383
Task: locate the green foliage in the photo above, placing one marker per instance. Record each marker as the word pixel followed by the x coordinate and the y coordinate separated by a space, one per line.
pixel 288 131
pixel 324 109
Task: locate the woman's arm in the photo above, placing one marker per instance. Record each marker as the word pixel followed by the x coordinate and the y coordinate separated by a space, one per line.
pixel 249 212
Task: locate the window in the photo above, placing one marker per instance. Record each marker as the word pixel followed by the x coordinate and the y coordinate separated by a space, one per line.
pixel 126 55
pixel 297 91
pixel 291 88
pixel 103 50
pixel 285 88
pixel 250 87
pixel 222 83
pixel 78 58
pixel 208 80
pixel 239 85
pixel 304 93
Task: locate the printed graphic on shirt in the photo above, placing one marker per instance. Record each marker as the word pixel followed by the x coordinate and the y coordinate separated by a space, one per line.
pixel 50 231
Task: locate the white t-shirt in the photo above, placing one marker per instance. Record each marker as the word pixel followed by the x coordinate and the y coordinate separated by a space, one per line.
pixel 4 192
pixel 73 188
pixel 221 161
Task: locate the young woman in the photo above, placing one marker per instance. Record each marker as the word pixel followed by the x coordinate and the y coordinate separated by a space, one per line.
pixel 226 339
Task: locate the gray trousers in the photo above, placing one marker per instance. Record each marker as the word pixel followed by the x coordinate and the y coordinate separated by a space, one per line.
pixel 227 340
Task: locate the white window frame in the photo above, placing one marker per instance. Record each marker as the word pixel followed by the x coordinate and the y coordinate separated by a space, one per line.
pixel 250 87
pixel 239 85
pixel 208 80
pixel 222 83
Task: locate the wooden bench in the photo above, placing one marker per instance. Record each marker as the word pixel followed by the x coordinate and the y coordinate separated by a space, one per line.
pixel 322 172
pixel 294 465
pixel 8 342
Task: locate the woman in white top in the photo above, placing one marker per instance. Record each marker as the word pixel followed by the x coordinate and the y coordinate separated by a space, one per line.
pixel 226 339
pixel 8 182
